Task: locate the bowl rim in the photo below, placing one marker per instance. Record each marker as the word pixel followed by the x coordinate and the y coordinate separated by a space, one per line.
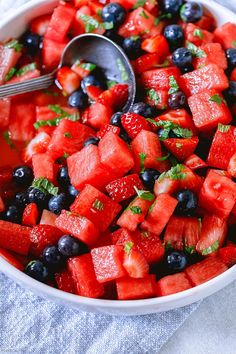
pixel 47 291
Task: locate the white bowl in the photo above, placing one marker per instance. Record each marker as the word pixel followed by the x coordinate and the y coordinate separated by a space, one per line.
pixel 14 26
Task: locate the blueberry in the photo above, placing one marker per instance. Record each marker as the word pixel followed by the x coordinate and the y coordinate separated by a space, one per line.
pixel 116 119
pixel 36 196
pixel 176 261
pixel 171 6
pixel 187 202
pixel 52 256
pixel 148 177
pixel 63 178
pixel 182 58
pixel 91 80
pixel 114 36
pixel 37 270
pixel 21 199
pixel 91 141
pixel 69 246
pixel 23 176
pixel 32 43
pixel 78 99
pixel 177 100
pixel 174 35
pixel 114 13
pixel 231 57
pixel 72 193
pixel 144 110
pixel 191 12
pixel 132 47
pixel 57 203
pixel 230 93
pixel 13 214
pixel 124 136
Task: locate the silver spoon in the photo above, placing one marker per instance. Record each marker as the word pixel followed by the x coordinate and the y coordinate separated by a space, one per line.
pixel 93 48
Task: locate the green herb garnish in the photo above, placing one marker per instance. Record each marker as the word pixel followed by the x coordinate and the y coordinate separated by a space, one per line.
pixel 88 66
pixel 111 83
pixel 175 173
pixel 45 186
pixel 98 205
pixel 167 16
pixel 153 95
pixel 135 210
pixel 146 195
pixel 68 135
pixel 196 52
pixel 144 14
pixel 10 74
pixel 174 87
pixel 139 3
pixel 91 23
pixel 189 249
pixel 217 99
pixel 163 158
pixel 142 157
pixel 168 126
pixel 14 44
pixel 198 33
pixel 213 248
pixel 223 128
pixel 54 122
pixel 128 247
pixel 25 69
pixel 7 138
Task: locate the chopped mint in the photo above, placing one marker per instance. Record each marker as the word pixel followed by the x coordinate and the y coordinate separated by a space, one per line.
pixel 167 16
pixel 10 74
pixel 139 3
pixel 196 52
pixel 145 234
pixel 213 248
pixel 134 38
pixel 163 65
pixel 168 126
pixel 144 14
pixel 153 95
pixel 217 99
pixel 174 87
pixel 223 128
pixel 14 44
pixel 135 209
pixel 142 157
pixel 107 25
pixel 179 145
pixel 168 246
pixel 51 93
pixel 189 249
pixel 98 205
pixel 7 138
pixel 25 69
pixel 128 247
pixel 234 44
pixel 88 66
pixel 175 173
pixel 163 158
pixel 99 12
pixel 91 23
pixel 111 83
pixel 65 155
pixel 54 122
pixel 198 33
pixel 123 72
pixel 68 135
pixel 45 186
pixel 146 195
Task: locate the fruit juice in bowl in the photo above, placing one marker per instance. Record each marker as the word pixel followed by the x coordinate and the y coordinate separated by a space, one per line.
pixel 115 205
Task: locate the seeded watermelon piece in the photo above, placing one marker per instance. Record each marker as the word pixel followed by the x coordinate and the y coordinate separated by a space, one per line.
pixel 149 245
pixel 82 271
pixel 5 106
pixel 209 109
pixel 226 35
pixel 14 237
pixel 159 78
pixel 43 166
pixel 85 167
pixel 68 137
pixel 218 194
pixel 205 270
pixel 51 53
pixel 65 282
pixel 22 118
pixel 173 284
pixel 133 289
pixel 181 148
pixel 123 188
pixel 147 145
pixel 8 59
pixel 134 214
pixel 164 205
pixel 96 206
pixel 223 147
pixel 78 226
pixel 108 263
pixel 228 255
pixel 173 237
pixel 10 258
pixel 207 78
pixel 98 115
pixel 214 55
pixel 115 154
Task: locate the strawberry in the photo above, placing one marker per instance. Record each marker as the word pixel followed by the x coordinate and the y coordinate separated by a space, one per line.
pixel 149 245
pixel 30 215
pixel 5 175
pixel 228 255
pixel 10 240
pixel 42 236
pixel 173 237
pixel 8 59
pixel 156 44
pixel 108 128
pixel 133 124
pixel 11 259
pixel 65 282
pixel 191 234
pixel 123 188
pixel 48 218
pixel 173 284
pixel 40 24
pixel 120 94
pixel 134 262
pixel 37 145
pixel 146 62
pixel 68 79
pixel 121 237
pixel 93 92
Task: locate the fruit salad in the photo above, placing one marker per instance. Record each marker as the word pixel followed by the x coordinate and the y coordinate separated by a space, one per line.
pixel 114 204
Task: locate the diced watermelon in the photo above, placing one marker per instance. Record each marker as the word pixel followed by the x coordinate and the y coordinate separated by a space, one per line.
pixel 207 78
pixel 166 185
pixel 37 145
pixel 82 271
pixel 173 237
pixel 223 147
pixel 96 206
pixel 157 44
pixel 207 22
pixel 78 226
pixel 65 282
pixel 68 80
pixel 42 236
pixel 123 188
pixel 228 255
pixel 115 154
pixel 132 289
pixel 195 162
pixel 48 218
pixel 190 181
pixel 218 194
pixel 98 115
pixel 181 148
pixel 180 117
pixel 31 74
pixel 10 258
pixel 8 59
pixel 5 106
pixel 191 234
pixel 173 284
pixel 159 78
pixel 22 118
pixel 192 32
pixel 43 166
pixel 232 166
pixel 30 215
pixel 85 167
pixel 108 263
pixel 146 62
pixel 51 53
pixel 205 270
pixel 149 245
pixel 226 35
pixel 214 54
pixel 14 237
pixel 121 237
pixel 137 22
pixel 163 205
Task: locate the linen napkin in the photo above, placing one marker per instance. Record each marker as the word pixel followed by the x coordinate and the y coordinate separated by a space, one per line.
pixel 30 324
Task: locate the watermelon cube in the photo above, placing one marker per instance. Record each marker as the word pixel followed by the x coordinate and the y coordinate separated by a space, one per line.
pixel 22 118
pixel 85 167
pixel 218 195
pixel 8 59
pixel 68 137
pixel 10 258
pixel 14 237
pixel 159 78
pixel 173 236
pixel 137 22
pixel 97 115
pixel 108 263
pixel 205 270
pixel 228 255
pixel 51 53
pixel 173 284
pixel 37 145
pixel 180 117
pixel 48 218
pixel 5 106
pixel 65 282
pixel 207 78
pixel 231 169
pixel 82 270
pixel 42 236
pixel 226 35
pixel 78 226
pixel 43 166
pixel 149 245
pixel 96 206
pixel 209 109
pixel 166 185
pixel 214 55
pixel 190 31
pixel 181 148
pixel 164 205
pixel 121 237
pixel 194 162
pixel 133 289
pixel 115 154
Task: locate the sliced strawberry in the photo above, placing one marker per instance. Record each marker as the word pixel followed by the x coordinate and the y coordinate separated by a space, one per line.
pixel 93 92
pixel 157 44
pixel 8 59
pixel 133 124
pixel 162 102
pixel 132 289
pixel 30 215
pixel 173 237
pixel 48 218
pixel 181 148
pixel 37 145
pixel 68 79
pixel 108 128
pixel 228 255
pixel 42 236
pixel 134 262
pixel 173 284
pixel 123 188
pixel 65 282
pixel 191 234
pixel 149 245
pixel 14 237
pixel 146 62
pixel 195 162
pixel 40 24
pixel 10 258
pixel 190 35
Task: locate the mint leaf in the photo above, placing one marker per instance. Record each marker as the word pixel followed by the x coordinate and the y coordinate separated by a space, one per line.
pixel 25 69
pixel 168 246
pixel 174 87
pixel 14 44
pixel 196 52
pixel 91 23
pixel 139 3
pixel 168 125
pixel 142 157
pixel 198 33
pixel 167 16
pixel 68 135
pixel 98 205
pixel 7 138
pixel 175 173
pixel 111 83
pixel 146 195
pixel 213 248
pixel 189 249
pixel 10 74
pixel 45 186
pixel 163 158
pixel 54 122
pixel 234 44
pixel 153 95
pixel 217 99
pixel 135 210
pixel 163 65
pixel 182 132
pixel 88 66
pixel 144 14
pixel 51 93
pixel 128 247
pixel 123 72
pixel 223 128
pixel 65 155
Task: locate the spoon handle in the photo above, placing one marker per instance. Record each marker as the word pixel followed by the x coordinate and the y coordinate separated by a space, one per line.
pixel 36 84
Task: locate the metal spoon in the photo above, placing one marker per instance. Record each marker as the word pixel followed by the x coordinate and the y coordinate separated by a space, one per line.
pixel 93 48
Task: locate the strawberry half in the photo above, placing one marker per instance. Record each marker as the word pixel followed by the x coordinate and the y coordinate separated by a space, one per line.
pixel 68 79
pixel 134 262
pixel 37 145
pixel 133 124
pixel 108 128
pixel 123 188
